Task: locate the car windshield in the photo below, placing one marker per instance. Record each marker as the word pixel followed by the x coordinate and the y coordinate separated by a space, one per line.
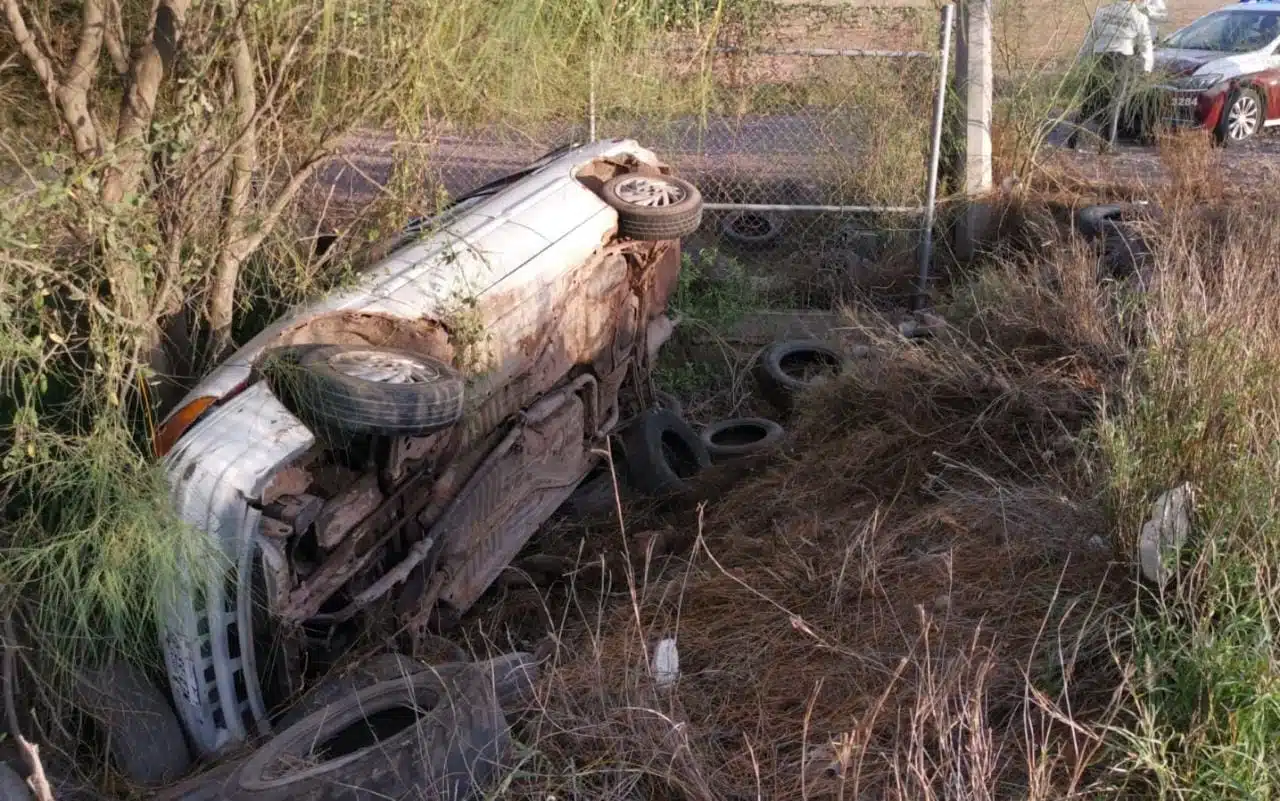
pixel 1229 32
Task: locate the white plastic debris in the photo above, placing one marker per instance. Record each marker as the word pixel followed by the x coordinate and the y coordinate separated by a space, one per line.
pixel 666 663
pixel 1165 532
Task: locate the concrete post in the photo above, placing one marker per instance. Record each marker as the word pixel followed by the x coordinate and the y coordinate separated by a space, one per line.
pixel 974 86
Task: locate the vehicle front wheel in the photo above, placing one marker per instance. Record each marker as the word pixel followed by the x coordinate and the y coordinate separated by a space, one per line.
pixel 654 207
pixel 1242 117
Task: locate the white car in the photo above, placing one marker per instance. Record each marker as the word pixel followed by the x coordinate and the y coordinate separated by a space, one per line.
pixel 1222 72
pixel 394 445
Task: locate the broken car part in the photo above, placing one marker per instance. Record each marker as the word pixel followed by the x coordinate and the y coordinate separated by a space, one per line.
pixel 654 207
pixel 739 436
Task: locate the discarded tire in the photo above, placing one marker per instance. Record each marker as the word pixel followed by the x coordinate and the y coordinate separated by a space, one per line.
pixel 654 207
pixel 1090 219
pixel 787 368
pixel 142 732
pixel 740 436
pixel 429 735
pixel 665 400
pixel 367 390
pixel 751 229
pixel 511 675
pixel 662 453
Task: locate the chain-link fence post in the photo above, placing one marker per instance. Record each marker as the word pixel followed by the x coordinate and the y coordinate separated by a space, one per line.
pixel 935 152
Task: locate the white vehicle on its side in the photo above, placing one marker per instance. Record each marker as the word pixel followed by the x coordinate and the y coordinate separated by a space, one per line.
pixel 394 445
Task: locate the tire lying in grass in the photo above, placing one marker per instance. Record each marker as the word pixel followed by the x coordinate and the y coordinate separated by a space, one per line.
pixel 342 389
pixel 1090 219
pixel 1125 252
pixel 427 735
pixel 665 400
pixel 790 367
pixel 511 675
pixel 751 229
pixel 662 453
pixel 142 732
pixel 654 207
pixel 740 436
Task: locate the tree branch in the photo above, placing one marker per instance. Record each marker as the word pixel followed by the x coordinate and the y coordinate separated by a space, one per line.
pixel 146 73
pixel 30 753
pixel 73 89
pixel 115 38
pixel 39 60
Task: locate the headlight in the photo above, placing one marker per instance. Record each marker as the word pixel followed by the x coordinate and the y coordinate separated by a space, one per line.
pixel 1198 82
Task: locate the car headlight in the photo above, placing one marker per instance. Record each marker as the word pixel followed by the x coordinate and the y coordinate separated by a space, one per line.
pixel 1199 82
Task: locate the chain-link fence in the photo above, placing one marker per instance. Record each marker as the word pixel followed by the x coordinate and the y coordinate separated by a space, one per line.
pixel 808 137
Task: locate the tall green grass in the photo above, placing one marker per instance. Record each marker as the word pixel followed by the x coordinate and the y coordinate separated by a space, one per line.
pixel 1200 405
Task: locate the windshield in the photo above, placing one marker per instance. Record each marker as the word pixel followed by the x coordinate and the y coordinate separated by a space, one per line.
pixel 1229 32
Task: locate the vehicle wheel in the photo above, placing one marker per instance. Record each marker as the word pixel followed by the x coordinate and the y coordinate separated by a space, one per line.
pixel 12 786
pixel 665 400
pixel 790 367
pixel 662 453
pixel 729 439
pixel 142 732
pixel 752 229
pixel 1242 117
pixel 437 736
pixel 367 390
pixel 654 207
pixel 512 677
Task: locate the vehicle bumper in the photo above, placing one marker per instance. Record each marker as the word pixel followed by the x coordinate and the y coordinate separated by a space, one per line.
pixel 1185 109
pixel 216 474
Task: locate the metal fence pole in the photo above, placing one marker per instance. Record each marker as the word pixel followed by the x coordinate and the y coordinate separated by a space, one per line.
pixel 591 102
pixel 935 153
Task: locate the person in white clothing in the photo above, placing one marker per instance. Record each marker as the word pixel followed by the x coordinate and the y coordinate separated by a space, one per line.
pixel 1118 47
pixel 1157 12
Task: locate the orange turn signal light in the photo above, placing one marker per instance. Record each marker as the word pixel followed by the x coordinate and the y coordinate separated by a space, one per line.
pixel 172 429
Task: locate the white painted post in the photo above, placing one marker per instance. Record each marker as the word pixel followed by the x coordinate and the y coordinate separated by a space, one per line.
pixel 974 84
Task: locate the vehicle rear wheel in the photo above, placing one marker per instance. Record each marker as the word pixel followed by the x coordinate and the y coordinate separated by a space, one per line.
pixel 1242 117
pixel 654 207
pixel 367 390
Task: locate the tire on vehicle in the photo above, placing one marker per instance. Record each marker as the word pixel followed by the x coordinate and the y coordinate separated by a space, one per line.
pixel 512 676
pixel 433 735
pixel 787 368
pixel 740 436
pixel 141 730
pixel 1243 116
pixel 751 229
pixel 653 207
pixel 359 389
pixel 662 452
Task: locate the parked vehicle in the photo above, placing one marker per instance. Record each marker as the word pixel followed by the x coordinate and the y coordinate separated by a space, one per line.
pixel 1222 72
pixel 403 438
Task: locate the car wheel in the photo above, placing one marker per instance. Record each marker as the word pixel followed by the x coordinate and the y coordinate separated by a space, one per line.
pixel 427 734
pixel 662 453
pixel 142 732
pixel 358 389
pixel 1242 117
pixel 729 439
pixel 654 207
pixel 752 229
pixel 788 368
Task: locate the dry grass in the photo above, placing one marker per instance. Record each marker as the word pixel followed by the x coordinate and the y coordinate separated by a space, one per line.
pixel 912 602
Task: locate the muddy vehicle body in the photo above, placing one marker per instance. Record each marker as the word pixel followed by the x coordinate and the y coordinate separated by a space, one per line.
pixel 393 446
